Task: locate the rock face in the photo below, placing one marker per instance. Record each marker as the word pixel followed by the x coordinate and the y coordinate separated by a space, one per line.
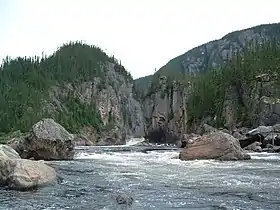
pixel 211 54
pixel 164 112
pixel 260 99
pixel 47 140
pixel 218 145
pixel 22 174
pixel 246 105
pixel 120 114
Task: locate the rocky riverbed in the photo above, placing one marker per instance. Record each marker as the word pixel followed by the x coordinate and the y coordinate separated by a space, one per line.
pixel 154 180
pixel 209 171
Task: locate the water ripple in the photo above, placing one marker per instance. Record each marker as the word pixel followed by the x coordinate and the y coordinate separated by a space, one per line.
pixel 155 180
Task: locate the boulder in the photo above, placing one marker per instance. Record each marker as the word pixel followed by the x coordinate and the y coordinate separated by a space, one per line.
pixel 238 135
pixel 188 139
pixel 6 151
pixel 21 174
pixel 276 148
pixel 264 130
pixel 47 140
pixel 113 136
pixel 14 143
pixel 124 199
pixel 82 140
pixel 208 129
pixel 218 145
pixel 13 139
pixel 224 130
pixel 266 135
pixel 271 148
pixel 251 139
pixel 255 147
pixel 107 142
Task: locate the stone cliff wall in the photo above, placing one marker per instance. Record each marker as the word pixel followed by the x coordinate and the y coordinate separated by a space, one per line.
pixel 111 95
pixel 164 113
pixel 254 105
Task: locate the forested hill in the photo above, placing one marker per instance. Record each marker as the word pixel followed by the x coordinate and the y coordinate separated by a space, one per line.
pixel 208 55
pixel 242 92
pixel 77 86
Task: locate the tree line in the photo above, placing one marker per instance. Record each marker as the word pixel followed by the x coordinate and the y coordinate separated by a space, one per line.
pixel 240 71
pixel 25 83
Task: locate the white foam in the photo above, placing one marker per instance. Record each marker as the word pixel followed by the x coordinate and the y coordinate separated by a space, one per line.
pixel 131 158
pixel 134 141
pixel 265 156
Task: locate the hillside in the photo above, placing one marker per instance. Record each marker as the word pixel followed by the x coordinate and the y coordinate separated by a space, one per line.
pixel 214 53
pixel 242 92
pixel 79 86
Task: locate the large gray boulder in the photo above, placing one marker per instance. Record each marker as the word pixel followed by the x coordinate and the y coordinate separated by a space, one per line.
pixel 47 140
pixel 255 147
pixel 217 145
pixel 264 134
pixel 6 151
pixel 23 174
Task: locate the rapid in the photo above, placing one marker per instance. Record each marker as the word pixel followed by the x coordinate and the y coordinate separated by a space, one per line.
pixel 155 179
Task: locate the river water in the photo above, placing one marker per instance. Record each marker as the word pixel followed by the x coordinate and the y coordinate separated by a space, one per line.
pixel 155 180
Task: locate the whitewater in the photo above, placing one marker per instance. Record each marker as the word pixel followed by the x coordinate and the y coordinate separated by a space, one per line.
pixel 155 179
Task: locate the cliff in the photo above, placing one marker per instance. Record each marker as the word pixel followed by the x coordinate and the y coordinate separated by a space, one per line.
pixel 214 53
pixel 164 111
pixel 228 83
pixel 79 86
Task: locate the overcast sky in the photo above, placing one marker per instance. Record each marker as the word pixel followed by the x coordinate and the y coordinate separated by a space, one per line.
pixel 143 34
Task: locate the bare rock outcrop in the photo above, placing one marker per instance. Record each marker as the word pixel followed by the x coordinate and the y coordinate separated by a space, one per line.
pixel 21 174
pixel 165 112
pixel 217 145
pixel 47 140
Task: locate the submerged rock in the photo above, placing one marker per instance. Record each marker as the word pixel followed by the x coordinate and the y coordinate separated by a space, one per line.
pixel 218 145
pixel 23 174
pixel 47 140
pixel 124 199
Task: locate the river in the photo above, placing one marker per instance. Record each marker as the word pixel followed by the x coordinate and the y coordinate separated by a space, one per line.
pixel 155 180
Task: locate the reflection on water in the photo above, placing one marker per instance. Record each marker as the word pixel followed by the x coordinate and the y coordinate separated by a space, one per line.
pixel 155 180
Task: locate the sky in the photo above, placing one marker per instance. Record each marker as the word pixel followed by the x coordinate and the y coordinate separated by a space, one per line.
pixel 143 34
